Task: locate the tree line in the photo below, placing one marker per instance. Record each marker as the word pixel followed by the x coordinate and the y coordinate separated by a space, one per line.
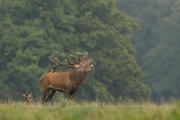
pixel 30 31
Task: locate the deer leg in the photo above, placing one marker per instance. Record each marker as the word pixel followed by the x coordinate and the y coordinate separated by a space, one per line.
pixel 50 95
pixel 44 96
pixel 68 97
pixel 71 95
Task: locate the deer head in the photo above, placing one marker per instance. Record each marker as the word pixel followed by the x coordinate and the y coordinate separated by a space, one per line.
pixel 28 97
pixel 67 81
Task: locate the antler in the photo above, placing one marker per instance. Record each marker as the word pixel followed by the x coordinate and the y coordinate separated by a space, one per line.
pixel 80 57
pixel 57 63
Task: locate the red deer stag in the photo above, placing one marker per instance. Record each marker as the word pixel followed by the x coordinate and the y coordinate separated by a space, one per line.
pixel 67 81
pixel 28 97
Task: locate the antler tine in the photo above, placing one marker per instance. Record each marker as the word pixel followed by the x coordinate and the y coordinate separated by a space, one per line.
pixel 74 58
pixel 82 56
pixel 79 54
pixel 57 63
pixel 69 63
pixel 85 55
pixel 54 61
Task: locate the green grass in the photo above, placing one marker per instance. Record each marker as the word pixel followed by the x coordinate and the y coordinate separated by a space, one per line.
pixel 66 110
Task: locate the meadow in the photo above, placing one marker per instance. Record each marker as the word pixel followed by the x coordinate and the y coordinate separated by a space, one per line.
pixel 70 110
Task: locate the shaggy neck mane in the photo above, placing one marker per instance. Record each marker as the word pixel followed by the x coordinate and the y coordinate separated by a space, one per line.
pixel 78 76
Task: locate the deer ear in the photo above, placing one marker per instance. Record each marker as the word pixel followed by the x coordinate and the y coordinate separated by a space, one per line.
pixel 24 95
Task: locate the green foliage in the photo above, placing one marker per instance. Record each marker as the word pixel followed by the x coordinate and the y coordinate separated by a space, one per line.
pixel 33 30
pixel 166 55
pixel 157 43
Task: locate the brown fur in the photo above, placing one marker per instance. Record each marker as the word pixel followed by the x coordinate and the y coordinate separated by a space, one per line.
pixel 67 82
pixel 28 97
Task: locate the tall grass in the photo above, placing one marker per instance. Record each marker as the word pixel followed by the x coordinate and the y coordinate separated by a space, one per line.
pixel 70 110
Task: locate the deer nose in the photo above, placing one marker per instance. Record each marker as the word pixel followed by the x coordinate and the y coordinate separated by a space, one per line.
pixel 91 65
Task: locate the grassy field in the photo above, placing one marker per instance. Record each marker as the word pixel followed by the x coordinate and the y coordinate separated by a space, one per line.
pixel 66 110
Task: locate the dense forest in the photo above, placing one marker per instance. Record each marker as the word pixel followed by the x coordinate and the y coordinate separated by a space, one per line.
pixel 133 44
pixel 33 30
pixel 157 43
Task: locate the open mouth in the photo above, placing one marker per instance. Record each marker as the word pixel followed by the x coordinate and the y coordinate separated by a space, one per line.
pixel 91 65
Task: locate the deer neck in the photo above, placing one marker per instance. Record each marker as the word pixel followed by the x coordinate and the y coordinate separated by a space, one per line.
pixel 77 77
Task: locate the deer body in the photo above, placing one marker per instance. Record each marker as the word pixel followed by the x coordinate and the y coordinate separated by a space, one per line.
pixel 67 82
